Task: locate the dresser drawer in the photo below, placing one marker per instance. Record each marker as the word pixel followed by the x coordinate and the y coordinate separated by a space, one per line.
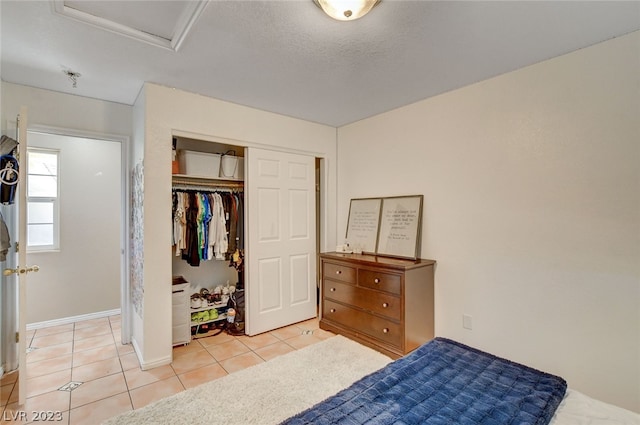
pixel 363 322
pixel 382 281
pixel 384 304
pixel 339 272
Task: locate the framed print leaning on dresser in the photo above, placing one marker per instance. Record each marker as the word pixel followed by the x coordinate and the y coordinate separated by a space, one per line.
pixel 362 225
pixel 400 227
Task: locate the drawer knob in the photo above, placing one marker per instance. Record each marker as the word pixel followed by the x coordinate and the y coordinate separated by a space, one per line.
pixel 385 305
pixel 333 310
pixel 333 289
pixel 338 271
pixel 376 280
pixel 385 330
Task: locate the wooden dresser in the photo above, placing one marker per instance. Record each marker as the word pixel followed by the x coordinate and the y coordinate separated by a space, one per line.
pixel 384 303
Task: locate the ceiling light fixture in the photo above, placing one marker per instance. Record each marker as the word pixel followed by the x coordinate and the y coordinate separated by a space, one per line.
pixel 346 10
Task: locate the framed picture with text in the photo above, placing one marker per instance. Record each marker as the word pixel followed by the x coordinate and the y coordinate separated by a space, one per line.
pixel 400 227
pixel 363 223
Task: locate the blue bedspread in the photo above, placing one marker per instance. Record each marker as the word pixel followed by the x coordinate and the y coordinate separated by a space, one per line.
pixel 444 382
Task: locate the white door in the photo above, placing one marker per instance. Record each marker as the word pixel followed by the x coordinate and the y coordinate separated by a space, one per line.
pixel 15 271
pixel 281 250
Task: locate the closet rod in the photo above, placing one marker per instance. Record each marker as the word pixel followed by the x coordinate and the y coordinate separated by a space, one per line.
pixel 206 188
pixel 194 184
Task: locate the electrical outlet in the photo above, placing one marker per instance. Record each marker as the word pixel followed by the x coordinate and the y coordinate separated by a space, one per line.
pixel 467 321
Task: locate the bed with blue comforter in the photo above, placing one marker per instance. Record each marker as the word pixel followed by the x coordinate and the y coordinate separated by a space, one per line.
pixel 444 382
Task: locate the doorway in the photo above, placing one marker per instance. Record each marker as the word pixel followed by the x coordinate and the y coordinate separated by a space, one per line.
pixel 80 244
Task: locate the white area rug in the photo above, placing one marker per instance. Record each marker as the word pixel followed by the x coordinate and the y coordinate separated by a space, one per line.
pixel 269 392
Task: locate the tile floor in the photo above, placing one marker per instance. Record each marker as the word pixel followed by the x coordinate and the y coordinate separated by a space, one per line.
pixel 107 376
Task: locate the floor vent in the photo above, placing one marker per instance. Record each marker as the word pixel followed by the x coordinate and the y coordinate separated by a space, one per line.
pixel 70 386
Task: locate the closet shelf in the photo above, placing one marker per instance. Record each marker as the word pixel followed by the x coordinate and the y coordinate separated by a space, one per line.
pixel 217 319
pixel 211 306
pixel 187 179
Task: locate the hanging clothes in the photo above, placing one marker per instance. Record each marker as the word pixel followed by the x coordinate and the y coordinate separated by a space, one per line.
pixel 206 225
pixel 240 222
pixel 9 175
pixel 232 212
pixel 179 222
pixel 221 241
pixel 191 252
pixel 5 239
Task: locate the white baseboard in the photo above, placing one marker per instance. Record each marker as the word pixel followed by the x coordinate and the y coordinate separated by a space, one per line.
pixel 149 365
pixel 155 363
pixel 72 319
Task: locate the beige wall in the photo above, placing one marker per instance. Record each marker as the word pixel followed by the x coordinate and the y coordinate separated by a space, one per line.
pixel 56 109
pixel 170 111
pixel 531 208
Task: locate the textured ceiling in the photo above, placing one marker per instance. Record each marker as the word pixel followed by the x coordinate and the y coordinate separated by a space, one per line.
pixel 287 57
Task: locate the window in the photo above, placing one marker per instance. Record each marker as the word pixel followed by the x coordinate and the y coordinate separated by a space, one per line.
pixel 42 200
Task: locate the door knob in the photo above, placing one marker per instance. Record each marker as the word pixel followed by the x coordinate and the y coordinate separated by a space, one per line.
pixel 20 270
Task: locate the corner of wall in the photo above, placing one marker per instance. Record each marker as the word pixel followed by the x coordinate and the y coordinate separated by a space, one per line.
pixel 137 336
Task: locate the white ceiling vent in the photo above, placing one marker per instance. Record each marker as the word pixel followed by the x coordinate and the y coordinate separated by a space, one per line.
pixel 160 23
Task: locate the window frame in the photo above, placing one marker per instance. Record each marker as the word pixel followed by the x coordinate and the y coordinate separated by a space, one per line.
pixel 55 246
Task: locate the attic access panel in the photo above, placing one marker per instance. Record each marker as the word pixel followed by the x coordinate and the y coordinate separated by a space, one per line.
pixel 161 23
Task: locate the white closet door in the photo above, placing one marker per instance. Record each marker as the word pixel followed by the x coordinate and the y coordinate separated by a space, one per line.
pixel 281 251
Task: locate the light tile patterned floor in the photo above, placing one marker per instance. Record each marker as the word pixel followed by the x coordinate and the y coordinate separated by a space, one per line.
pixel 111 381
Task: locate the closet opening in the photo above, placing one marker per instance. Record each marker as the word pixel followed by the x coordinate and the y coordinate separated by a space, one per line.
pixel 208 243
pixel 277 234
